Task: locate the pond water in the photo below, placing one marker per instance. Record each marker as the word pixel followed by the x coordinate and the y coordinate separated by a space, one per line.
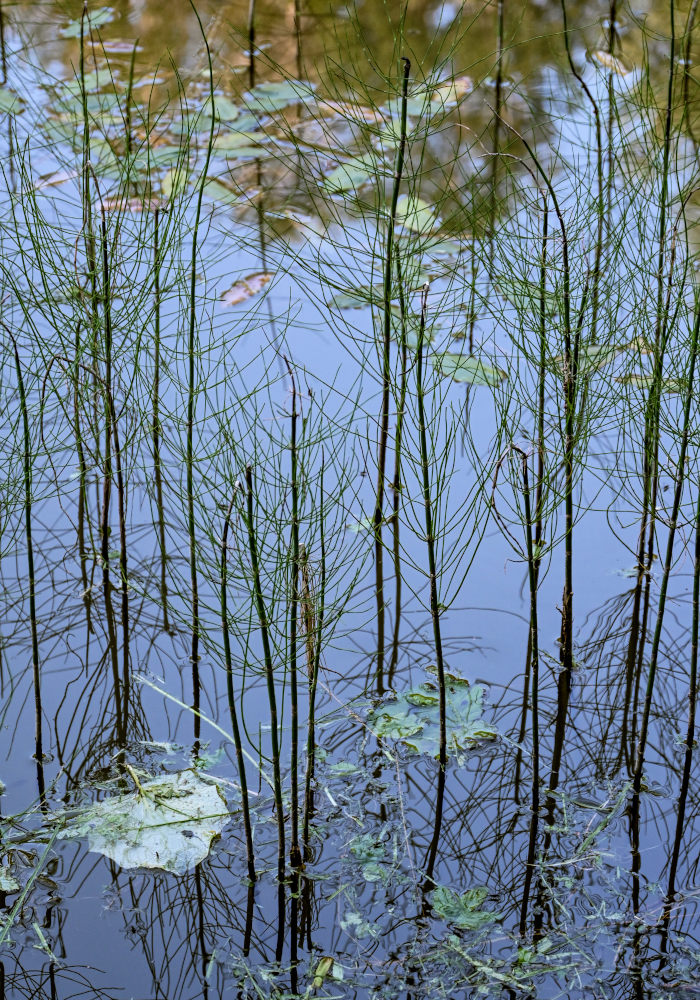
pixel 349 500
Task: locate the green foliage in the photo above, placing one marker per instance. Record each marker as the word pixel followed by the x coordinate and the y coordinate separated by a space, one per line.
pixel 464 910
pixel 412 717
pixel 469 369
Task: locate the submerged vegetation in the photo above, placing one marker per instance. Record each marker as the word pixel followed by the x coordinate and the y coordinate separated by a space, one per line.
pixel 350 501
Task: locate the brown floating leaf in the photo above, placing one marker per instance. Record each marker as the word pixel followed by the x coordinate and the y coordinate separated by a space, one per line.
pixel 608 61
pixel 244 288
pixel 454 90
pixel 351 111
pixel 120 46
pixel 117 203
pixel 51 180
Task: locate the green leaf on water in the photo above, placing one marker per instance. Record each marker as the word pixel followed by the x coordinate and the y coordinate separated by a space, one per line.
pixel 349 175
pixel 226 110
pixel 524 295
pixel 415 214
pixel 323 969
pixel 168 823
pixel 463 909
pixel 358 298
pixel 95 19
pixel 217 191
pixel 371 855
pixel 236 140
pixel 591 357
pixel 9 101
pixel 467 368
pixel 413 717
pixel 270 96
pixel 644 380
pixel 174 182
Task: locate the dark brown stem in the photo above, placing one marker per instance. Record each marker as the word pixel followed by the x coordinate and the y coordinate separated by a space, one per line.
pixel 378 518
pixel 434 600
pixel 238 744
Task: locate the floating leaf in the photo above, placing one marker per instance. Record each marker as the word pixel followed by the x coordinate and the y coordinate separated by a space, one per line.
pixel 415 214
pixel 467 368
pixel 592 357
pixel 120 203
pixel 95 19
pixel 120 46
pixel 174 182
pixel 643 380
pixel 354 112
pixel 55 178
pixel 365 524
pixel 273 96
pixel 609 62
pixel 358 298
pixel 245 287
pixel 414 718
pixel 226 110
pixel 8 883
pixel 245 152
pixel 220 192
pixel 371 855
pixel 323 969
pixel 357 927
pixel 525 296
pixel 416 107
pixel 463 909
pixel 349 175
pixel 9 101
pixel 452 91
pixel 236 142
pixel 168 823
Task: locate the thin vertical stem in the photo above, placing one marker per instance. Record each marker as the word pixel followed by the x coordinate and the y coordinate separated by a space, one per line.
pixel 33 624
pixel 251 44
pixel 191 393
pixel 690 733
pixel 82 484
pixel 386 382
pixel 238 744
pixel 434 602
pixel 105 529
pixel 270 678
pixel 397 485
pixel 645 550
pixel 157 427
pixel 113 427
pixel 313 683
pixel 532 567
pixel 663 589
pixel 295 853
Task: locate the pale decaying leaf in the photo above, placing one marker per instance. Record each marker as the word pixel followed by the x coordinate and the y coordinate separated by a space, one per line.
pixel 8 883
pixel 609 62
pixel 55 178
pixel 168 823
pixel 244 288
pixel 452 91
pixel 353 112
